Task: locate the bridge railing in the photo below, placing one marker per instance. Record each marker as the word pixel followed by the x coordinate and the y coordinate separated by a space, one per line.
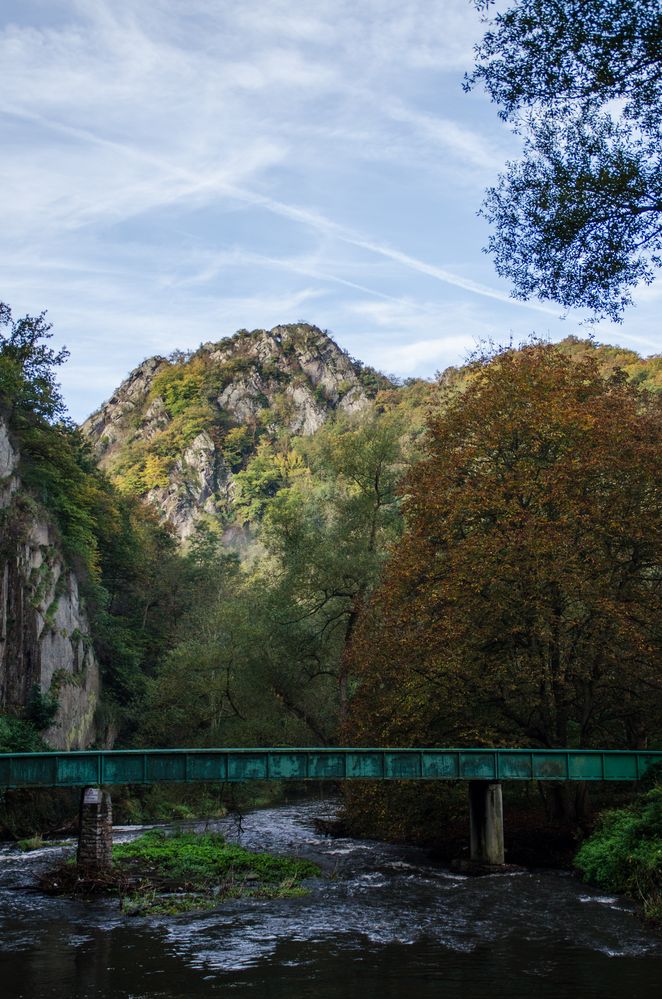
pixel 153 766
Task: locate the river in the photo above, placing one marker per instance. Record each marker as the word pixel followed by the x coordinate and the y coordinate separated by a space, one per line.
pixel 384 922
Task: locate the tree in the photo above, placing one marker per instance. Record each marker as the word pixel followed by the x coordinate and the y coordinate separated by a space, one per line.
pixel 522 606
pixel 331 538
pixel 577 219
pixel 28 387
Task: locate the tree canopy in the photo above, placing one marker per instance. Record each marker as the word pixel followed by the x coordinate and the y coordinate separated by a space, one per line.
pixel 577 218
pixel 522 605
pixel 264 657
pixel 28 386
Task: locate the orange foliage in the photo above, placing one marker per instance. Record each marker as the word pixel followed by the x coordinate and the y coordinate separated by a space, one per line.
pixel 522 605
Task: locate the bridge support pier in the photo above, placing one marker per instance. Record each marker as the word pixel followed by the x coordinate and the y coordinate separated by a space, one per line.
pixel 95 835
pixel 486 822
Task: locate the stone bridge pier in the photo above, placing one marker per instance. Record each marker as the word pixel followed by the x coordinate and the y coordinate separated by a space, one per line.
pixel 486 822
pixel 95 834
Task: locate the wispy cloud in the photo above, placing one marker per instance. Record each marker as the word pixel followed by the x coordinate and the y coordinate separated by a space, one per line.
pixel 177 183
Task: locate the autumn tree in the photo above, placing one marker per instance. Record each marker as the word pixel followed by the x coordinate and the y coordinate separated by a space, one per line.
pixel 522 605
pixel 577 218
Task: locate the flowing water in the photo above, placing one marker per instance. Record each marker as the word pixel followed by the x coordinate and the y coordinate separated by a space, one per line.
pixel 384 922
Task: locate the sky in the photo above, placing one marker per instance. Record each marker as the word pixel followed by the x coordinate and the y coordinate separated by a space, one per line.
pixel 173 171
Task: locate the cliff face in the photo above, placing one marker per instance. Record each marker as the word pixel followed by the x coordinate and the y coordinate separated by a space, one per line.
pixel 176 430
pixel 44 632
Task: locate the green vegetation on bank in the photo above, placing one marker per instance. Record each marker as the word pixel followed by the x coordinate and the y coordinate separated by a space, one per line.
pixel 18 735
pixel 624 854
pixel 200 858
pixel 166 873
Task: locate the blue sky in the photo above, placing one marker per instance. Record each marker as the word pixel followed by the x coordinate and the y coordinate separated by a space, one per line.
pixel 173 171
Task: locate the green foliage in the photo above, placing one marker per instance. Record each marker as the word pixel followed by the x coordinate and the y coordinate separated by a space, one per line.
pixel 624 854
pixel 203 857
pixel 178 385
pixel 262 658
pixel 27 381
pixel 41 709
pixel 184 389
pixel 269 471
pixel 372 380
pixel 142 465
pixel 160 874
pixel 577 219
pixel 58 469
pixel 19 736
pixel 237 444
pixel 30 844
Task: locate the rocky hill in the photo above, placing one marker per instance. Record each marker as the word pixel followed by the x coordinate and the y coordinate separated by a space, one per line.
pixel 178 429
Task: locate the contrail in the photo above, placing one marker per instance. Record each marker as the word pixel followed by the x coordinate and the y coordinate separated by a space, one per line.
pixel 314 220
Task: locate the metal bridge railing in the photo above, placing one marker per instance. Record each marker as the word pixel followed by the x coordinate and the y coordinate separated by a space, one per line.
pixel 153 766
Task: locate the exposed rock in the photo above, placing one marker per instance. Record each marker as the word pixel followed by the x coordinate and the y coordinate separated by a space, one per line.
pixel 8 465
pixel 8 456
pixel 289 378
pixel 195 479
pixel 44 631
pixel 309 415
pixel 242 398
pixel 109 423
pixel 156 418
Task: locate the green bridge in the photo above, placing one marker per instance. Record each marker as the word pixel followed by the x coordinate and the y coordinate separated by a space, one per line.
pixel 153 766
pixel 483 769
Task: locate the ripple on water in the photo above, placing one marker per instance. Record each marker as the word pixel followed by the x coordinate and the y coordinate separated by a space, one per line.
pixel 598 899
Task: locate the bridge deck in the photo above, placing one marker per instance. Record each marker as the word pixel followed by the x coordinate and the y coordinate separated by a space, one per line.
pixel 153 766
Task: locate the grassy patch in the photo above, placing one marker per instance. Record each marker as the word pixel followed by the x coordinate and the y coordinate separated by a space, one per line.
pixel 31 843
pixel 204 857
pixel 160 874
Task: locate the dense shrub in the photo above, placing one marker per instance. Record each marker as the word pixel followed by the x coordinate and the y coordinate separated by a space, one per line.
pixel 624 854
pixel 18 736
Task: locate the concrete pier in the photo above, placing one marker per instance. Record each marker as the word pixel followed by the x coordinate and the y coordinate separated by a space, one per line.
pixel 95 836
pixel 486 822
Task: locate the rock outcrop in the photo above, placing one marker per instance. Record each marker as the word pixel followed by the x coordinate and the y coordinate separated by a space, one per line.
pixel 163 432
pixel 45 646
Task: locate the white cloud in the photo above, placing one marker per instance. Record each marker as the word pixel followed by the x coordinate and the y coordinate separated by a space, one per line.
pixel 409 358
